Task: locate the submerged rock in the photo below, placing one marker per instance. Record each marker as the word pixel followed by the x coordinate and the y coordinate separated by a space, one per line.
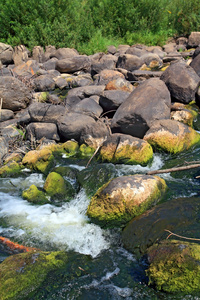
pixel 34 195
pixel 123 198
pixel 175 266
pixel 171 136
pixel 12 168
pixel 121 148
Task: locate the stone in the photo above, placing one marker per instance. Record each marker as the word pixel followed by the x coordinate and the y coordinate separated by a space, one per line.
pixel 46 112
pixel 14 93
pixel 89 107
pixel 6 114
pixel 107 62
pixel 195 64
pixel 182 81
pixel 20 55
pixel 27 69
pixel 194 39
pixel 34 195
pixel 174 267
pixel 63 53
pixel 86 91
pixel 44 83
pixel 3 148
pixel 171 136
pixel 111 100
pixel 120 84
pixel 38 54
pixel 37 131
pixel 6 52
pixel 134 50
pixel 50 64
pixel 150 101
pixel 73 64
pixel 152 60
pixel 123 198
pixel 105 76
pixel 121 148
pixel 129 62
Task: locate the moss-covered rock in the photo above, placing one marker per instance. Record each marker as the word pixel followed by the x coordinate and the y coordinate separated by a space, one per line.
pixel 70 148
pixel 175 266
pixel 22 275
pixel 171 136
pixel 34 195
pixel 56 187
pixel 123 198
pixel 39 160
pixel 86 150
pixel 121 148
pixel 92 178
pixel 12 168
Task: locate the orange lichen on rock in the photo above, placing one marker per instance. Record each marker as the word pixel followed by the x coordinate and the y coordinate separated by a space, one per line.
pixel 14 248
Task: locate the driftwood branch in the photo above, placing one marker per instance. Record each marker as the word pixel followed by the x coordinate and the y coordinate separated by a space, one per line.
pixel 95 152
pixel 180 236
pixel 174 169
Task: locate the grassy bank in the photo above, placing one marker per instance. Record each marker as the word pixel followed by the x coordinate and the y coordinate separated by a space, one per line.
pixel 92 25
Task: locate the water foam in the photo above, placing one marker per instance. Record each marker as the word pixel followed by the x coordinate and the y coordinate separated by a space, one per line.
pixel 65 227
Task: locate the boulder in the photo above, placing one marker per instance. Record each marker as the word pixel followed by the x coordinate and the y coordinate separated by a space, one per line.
pixel 86 91
pixel 129 62
pixel 177 215
pixel 194 39
pixel 89 107
pixel 182 81
pixel 34 195
pixel 138 51
pixel 44 83
pixel 123 198
pixel 63 53
pixel 120 84
pixel 73 64
pixel 37 131
pixel 152 60
pixel 195 64
pixel 171 136
pixel 6 114
pixel 27 69
pixel 147 103
pixel 104 61
pixel 45 112
pixel 6 52
pixel 112 49
pixel 38 54
pixel 76 126
pixel 121 148
pixel 14 93
pixel 20 55
pixel 196 52
pixel 56 187
pixel 111 100
pixel 50 64
pixel 3 148
pixel 174 267
pixel 49 52
pixel 170 47
pixel 185 116
pixel 106 76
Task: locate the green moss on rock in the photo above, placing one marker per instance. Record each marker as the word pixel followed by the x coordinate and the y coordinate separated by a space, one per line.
pixel 70 148
pixel 86 150
pixel 56 187
pixel 10 169
pixel 175 266
pixel 34 195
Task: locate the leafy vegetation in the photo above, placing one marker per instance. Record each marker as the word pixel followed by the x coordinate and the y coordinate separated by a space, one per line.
pixel 92 25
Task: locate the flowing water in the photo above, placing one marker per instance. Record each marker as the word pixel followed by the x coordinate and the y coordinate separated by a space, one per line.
pixel 118 274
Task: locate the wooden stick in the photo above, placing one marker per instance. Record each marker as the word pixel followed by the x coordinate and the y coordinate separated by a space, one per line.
pixel 95 152
pixel 180 236
pixel 1 103
pixel 173 169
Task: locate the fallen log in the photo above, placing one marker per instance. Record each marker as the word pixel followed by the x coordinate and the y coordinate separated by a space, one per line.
pixel 174 169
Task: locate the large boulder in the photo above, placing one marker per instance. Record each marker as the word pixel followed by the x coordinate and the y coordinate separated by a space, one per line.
pixel 73 64
pixel 175 267
pixel 38 54
pixel 89 107
pixel 111 100
pixel 14 93
pixel 182 81
pixel 107 75
pixel 101 62
pixel 171 136
pixel 20 55
pixel 61 53
pixel 123 198
pixel 120 84
pixel 121 148
pixel 147 103
pixel 76 126
pixel 44 83
pixel 194 39
pixel 6 52
pixel 27 69
pixel 178 215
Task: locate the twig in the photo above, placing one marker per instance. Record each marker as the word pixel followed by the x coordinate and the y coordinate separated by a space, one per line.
pixel 95 152
pixel 180 236
pixel 173 169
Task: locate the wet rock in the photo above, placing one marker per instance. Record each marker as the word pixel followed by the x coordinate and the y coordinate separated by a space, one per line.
pixel 123 198
pixel 37 131
pixel 121 148
pixel 179 215
pixel 14 93
pixel 58 188
pixel 182 81
pixel 10 169
pixel 171 136
pixel 137 112
pixel 34 195
pixel 175 267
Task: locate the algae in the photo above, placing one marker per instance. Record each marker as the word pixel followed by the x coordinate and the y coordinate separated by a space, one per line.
pixel 34 195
